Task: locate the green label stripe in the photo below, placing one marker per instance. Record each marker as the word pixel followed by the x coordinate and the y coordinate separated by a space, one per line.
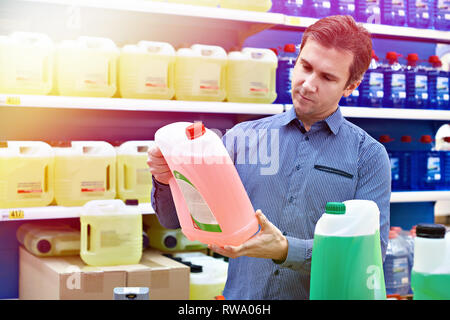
pixel 178 175
pixel 207 227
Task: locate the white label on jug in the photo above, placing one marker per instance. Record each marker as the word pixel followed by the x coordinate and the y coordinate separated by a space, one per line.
pixel 258 85
pixel 202 217
pixel 29 69
pixel 207 79
pixel 143 176
pixel 95 75
pixel 29 189
pixel 433 168
pixel 153 78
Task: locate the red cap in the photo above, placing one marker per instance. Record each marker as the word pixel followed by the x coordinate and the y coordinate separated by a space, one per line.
pixel 195 130
pixel 385 138
pixel 219 298
pixel 435 61
pixel 412 59
pixel 426 139
pixel 274 51
pixel 290 47
pixel 392 56
pixel 392 234
pixel 447 139
pixel 406 139
pixel 374 56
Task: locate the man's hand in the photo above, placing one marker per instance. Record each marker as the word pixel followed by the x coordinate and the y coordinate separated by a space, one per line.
pixel 158 165
pixel 268 243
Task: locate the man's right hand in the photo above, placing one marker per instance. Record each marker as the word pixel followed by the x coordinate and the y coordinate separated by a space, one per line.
pixel 158 165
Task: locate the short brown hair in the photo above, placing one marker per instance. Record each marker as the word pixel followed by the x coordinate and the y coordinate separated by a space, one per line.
pixel 342 32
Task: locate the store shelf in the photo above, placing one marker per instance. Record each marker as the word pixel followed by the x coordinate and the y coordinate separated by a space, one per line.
pixel 419 196
pixel 53 212
pixel 391 113
pixel 63 102
pixel 384 31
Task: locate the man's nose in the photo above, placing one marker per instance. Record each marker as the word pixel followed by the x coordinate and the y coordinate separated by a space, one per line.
pixel 310 83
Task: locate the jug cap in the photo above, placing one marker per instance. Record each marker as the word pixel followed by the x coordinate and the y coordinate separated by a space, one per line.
pixel 426 139
pixel 195 130
pixel 289 47
pixel 44 246
pixel 429 230
pixel 406 139
pixel 335 208
pixel 132 202
pixel 195 268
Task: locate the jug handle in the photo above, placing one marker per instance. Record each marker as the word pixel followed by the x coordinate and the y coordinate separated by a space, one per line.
pixel 46 179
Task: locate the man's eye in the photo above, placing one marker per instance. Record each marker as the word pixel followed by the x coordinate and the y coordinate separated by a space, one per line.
pixel 306 67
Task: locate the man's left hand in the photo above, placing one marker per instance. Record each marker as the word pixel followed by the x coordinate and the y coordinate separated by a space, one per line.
pixel 268 243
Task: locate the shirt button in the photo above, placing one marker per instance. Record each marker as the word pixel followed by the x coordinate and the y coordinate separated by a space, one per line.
pixel 297 167
pixel 291 199
pixel 307 138
pixel 277 272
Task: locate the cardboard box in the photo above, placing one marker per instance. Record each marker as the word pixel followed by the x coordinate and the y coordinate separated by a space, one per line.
pixel 68 278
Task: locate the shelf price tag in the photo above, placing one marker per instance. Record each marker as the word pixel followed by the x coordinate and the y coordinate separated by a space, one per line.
pixel 13 100
pixel 293 21
pixel 16 214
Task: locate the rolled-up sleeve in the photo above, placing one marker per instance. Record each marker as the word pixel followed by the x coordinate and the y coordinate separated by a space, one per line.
pixel 163 205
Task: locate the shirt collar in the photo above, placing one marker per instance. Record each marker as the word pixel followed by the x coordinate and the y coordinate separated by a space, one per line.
pixel 333 121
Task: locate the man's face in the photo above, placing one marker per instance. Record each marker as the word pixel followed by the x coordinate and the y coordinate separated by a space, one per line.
pixel 318 81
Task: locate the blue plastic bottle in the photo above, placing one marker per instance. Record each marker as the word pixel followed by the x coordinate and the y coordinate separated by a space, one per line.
pixel 371 89
pixel 286 63
pixel 368 11
pixel 407 164
pixel 394 158
pixel 319 8
pixel 395 266
pixel 430 166
pixel 416 84
pixel 296 8
pixel 438 85
pixel 394 82
pixel 344 7
pixel 442 20
pixel 277 6
pixel 421 13
pixel 393 12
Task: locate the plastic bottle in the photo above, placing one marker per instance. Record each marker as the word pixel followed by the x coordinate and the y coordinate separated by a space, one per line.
pixel 86 67
pixel 393 12
pixel 368 11
pixel 84 171
pixel 443 146
pixel 251 76
pixel 438 85
pixel 26 174
pixel 416 84
pixel 26 63
pixel 394 158
pixel 169 239
pixel 347 234
pixel 286 63
pixel 430 166
pixel 394 82
pixel 344 7
pixel 296 8
pixel 421 13
pixel 396 265
pixel 277 6
pixel 442 20
pixel 407 164
pixel 320 8
pixel 146 71
pixel 430 278
pixel 45 239
pixel 200 73
pixel 371 89
pixel 134 180
pixel 252 5
pixel 111 233
pixel 202 170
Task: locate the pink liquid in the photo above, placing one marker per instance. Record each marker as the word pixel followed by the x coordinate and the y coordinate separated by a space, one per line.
pixel 220 186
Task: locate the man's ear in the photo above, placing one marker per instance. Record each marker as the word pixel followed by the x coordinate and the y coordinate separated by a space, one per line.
pixel 348 91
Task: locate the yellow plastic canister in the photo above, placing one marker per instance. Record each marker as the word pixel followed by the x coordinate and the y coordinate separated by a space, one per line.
pixel 134 180
pixel 252 5
pixel 146 71
pixel 86 67
pixel 26 63
pixel 26 174
pixel 200 73
pixel 84 171
pixel 251 76
pixel 111 233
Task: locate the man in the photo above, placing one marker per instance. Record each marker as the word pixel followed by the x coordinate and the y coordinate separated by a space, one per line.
pixel 321 158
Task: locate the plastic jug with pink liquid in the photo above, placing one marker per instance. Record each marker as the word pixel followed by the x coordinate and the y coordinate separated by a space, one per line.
pixel 211 202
